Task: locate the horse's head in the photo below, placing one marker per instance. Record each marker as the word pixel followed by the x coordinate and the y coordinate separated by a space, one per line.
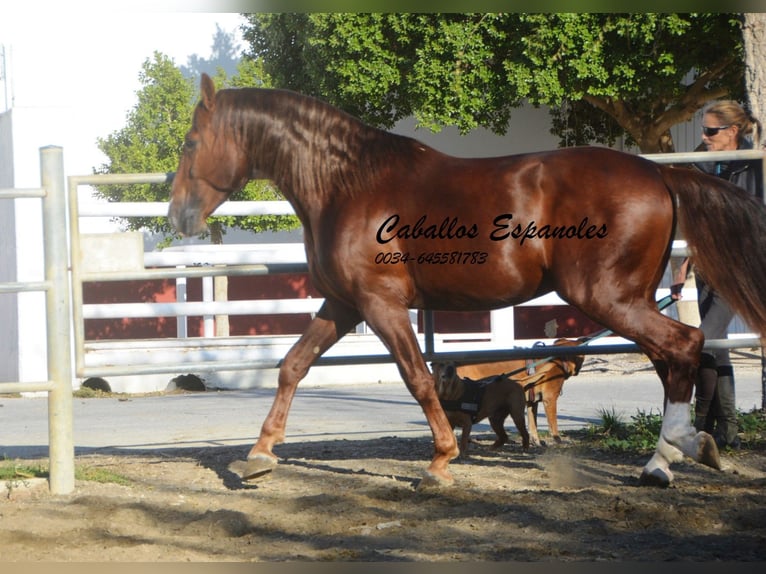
pixel 213 166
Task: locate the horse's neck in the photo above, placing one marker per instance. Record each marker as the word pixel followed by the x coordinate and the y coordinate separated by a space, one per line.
pixel 312 151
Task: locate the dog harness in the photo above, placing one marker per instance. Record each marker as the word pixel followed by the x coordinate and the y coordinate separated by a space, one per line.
pixel 470 401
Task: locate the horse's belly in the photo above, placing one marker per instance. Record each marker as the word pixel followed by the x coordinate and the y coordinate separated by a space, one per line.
pixel 478 280
pixel 476 294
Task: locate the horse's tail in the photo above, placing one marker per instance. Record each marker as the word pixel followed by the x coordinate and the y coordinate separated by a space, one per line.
pixel 725 230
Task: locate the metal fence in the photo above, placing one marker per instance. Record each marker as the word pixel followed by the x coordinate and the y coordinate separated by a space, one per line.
pixel 58 323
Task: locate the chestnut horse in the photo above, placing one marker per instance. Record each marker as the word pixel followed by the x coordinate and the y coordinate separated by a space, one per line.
pixel 391 224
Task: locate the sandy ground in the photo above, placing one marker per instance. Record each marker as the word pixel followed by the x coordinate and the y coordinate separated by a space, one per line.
pixel 358 500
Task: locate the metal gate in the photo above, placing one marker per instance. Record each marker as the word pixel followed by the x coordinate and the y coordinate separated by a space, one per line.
pixel 58 323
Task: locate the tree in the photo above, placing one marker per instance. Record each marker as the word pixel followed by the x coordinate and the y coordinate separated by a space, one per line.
pixel 754 38
pixel 152 140
pixel 604 75
pixel 223 56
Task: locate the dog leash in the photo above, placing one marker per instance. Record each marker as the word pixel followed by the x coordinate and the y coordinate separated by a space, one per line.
pixel 662 304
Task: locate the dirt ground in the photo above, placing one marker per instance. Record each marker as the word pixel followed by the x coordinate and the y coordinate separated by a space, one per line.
pixel 347 500
pixel 358 501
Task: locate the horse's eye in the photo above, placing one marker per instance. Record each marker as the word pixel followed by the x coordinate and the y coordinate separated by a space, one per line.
pixel 189 143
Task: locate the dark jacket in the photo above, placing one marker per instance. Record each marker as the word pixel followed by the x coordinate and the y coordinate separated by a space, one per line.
pixel 747 174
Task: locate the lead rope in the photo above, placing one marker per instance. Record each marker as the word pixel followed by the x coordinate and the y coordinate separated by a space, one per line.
pixel 662 304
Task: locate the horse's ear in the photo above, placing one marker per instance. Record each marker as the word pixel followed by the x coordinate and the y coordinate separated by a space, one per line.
pixel 207 89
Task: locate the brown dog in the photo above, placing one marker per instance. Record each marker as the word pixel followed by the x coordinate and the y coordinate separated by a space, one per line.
pixel 544 385
pixel 466 402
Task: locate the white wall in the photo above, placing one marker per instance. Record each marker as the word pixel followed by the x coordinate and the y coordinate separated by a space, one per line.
pixel 528 131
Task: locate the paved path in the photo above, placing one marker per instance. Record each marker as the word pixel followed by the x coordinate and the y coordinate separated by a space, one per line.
pixel 318 413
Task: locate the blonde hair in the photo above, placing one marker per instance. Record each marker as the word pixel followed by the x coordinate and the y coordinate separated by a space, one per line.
pixel 730 113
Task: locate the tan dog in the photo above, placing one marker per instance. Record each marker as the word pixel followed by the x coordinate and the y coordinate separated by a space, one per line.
pixel 466 402
pixel 545 388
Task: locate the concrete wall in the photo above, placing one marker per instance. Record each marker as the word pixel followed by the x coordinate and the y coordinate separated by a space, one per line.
pixel 22 251
pixel 9 334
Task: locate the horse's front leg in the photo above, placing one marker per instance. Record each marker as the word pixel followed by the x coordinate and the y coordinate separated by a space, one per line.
pixel 390 321
pixel 330 324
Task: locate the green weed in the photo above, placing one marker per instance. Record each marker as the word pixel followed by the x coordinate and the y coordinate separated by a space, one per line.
pixel 11 471
pixel 641 434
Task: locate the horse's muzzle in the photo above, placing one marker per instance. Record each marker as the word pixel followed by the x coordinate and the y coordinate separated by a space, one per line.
pixel 187 222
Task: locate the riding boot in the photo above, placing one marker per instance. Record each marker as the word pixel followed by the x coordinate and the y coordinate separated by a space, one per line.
pixel 726 409
pixel 707 378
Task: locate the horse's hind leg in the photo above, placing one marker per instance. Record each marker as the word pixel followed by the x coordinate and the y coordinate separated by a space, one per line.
pixel 330 324
pixel 676 358
pixel 674 349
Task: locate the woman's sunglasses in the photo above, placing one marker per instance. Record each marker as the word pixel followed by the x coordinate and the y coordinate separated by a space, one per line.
pixel 710 132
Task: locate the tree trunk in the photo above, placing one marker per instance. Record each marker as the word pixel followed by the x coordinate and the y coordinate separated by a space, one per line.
pixel 754 39
pixel 220 286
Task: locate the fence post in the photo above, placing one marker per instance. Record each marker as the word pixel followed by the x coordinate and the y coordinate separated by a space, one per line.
pixel 59 341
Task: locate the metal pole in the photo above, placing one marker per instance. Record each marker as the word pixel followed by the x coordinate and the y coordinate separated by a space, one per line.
pixel 428 329
pixel 208 323
pixel 59 340
pixel 182 331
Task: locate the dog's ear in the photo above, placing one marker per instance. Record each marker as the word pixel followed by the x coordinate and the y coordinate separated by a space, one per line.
pixel 450 371
pixel 578 361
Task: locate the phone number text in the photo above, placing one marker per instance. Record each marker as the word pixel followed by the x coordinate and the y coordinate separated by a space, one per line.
pixel 432 258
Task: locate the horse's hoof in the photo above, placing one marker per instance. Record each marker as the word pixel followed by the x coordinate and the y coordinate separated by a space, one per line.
pixel 656 477
pixel 258 466
pixel 707 451
pixel 433 481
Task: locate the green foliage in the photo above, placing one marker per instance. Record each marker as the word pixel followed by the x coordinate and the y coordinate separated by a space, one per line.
pixel 619 74
pixel 152 141
pixel 613 434
pixel 640 436
pixel 152 138
pixel 100 475
pixel 16 471
pixel 752 425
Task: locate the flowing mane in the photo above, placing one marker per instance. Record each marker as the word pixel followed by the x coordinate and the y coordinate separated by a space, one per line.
pixel 303 143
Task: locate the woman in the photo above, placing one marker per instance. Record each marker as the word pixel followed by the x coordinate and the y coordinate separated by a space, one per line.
pixel 726 126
